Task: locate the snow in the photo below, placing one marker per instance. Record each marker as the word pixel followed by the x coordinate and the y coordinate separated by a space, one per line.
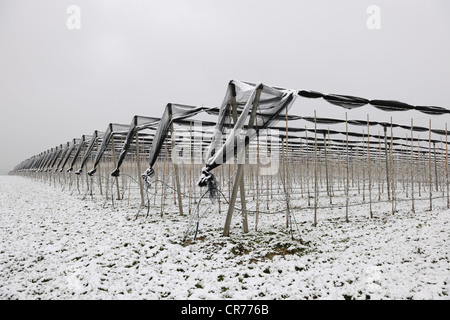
pixel 55 245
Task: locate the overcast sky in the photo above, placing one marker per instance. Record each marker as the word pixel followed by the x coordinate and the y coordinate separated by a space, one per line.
pixel 133 57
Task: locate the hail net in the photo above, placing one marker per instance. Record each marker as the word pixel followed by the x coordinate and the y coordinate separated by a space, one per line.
pixel 112 130
pixel 246 110
pixel 71 148
pixel 137 124
pixel 173 113
pixel 97 135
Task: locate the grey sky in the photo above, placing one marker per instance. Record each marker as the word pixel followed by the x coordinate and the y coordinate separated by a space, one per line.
pixel 133 57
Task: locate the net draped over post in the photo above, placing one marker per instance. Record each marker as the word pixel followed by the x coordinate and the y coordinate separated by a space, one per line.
pixel 72 147
pixel 172 113
pixel 138 123
pixel 113 129
pixel 237 104
pixel 84 139
pixel 96 135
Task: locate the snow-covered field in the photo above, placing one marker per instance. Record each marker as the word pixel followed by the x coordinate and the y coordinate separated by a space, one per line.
pixel 55 245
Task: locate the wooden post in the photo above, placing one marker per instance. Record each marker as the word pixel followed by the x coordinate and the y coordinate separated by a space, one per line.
pixel 315 169
pixel 307 167
pixel 177 175
pixel 129 182
pixel 435 168
pixel 241 180
pixel 218 195
pixel 174 188
pixel 339 156
pixel 286 174
pixel 379 166
pixel 271 177
pixel 267 180
pixel 369 168
pixel 257 185
pixel 123 177
pixel 419 165
pixel 301 166
pixel 138 162
pixel 191 163
pixel 364 173
pixel 348 181
pixel 326 164
pixel 99 174
pixel 115 165
pixel 392 169
pixel 240 172
pixel 230 182
pixel 106 168
pixel 412 169
pixel 387 163
pixel 442 180
pixel 405 176
pixel 330 178
pixel 446 166
pixel 156 181
pixel 87 181
pixel 351 163
pixel 163 186
pixel 88 177
pixel 429 165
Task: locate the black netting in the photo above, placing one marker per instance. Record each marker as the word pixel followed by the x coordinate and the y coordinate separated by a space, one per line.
pixel 347 102
pixel 38 164
pixel 48 156
pixel 138 123
pixel 172 113
pixel 247 106
pixel 72 147
pixel 97 134
pixel 350 102
pixel 62 156
pixel 432 110
pixel 391 105
pixel 112 130
pixel 53 158
pixel 84 139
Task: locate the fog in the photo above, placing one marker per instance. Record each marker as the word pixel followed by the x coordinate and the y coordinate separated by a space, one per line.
pixel 133 57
